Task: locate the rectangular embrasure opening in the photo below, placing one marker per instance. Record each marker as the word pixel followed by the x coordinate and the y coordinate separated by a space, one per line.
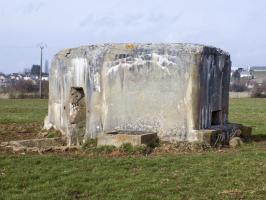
pixel 216 117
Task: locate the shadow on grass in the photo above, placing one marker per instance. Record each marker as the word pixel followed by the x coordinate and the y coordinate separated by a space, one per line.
pixel 258 138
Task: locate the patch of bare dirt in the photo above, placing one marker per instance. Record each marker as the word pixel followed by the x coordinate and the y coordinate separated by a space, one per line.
pixel 19 131
pixel 11 132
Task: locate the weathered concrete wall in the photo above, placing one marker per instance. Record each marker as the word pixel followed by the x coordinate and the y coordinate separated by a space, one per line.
pixel 171 89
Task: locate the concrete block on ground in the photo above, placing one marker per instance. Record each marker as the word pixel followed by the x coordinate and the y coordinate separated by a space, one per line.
pixel 119 138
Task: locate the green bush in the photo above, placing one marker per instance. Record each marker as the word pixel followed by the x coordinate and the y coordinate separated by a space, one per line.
pixel 54 134
pixel 256 91
pixel 90 143
pixel 127 148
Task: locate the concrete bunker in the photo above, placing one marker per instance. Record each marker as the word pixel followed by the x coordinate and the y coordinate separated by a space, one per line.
pixel 178 92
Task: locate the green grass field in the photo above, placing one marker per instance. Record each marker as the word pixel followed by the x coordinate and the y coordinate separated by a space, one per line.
pixel 249 111
pixel 22 110
pixel 230 174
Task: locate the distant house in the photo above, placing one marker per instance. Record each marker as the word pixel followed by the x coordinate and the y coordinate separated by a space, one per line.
pixel 245 74
pixel 45 77
pixel 240 74
pixel 27 78
pixel 258 73
pixel 3 80
pixel 2 77
pixel 15 76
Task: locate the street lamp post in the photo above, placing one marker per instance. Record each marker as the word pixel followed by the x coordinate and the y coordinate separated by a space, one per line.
pixel 42 46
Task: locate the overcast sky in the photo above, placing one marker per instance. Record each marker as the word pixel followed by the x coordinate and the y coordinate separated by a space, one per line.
pixel 237 26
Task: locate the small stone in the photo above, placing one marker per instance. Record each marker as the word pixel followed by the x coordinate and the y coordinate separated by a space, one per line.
pixel 18 149
pixel 4 144
pixel 43 134
pixel 33 149
pixel 235 142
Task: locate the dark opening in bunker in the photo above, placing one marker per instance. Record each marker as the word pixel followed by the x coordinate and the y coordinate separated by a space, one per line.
pixel 216 117
pixel 77 116
pixel 78 105
pixel 78 91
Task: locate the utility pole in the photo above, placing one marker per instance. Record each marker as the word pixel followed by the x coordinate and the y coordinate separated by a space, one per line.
pixel 41 46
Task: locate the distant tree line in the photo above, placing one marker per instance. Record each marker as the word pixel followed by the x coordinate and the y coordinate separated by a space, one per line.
pixel 20 89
